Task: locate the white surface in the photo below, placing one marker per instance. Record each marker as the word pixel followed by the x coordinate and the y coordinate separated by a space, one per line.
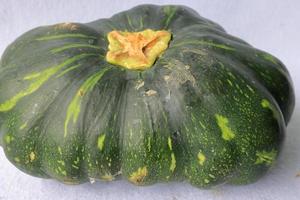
pixel 271 25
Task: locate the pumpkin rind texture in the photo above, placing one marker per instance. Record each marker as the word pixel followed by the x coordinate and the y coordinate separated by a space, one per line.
pixel 212 109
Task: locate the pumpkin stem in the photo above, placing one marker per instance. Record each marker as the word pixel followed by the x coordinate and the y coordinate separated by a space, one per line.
pixel 136 50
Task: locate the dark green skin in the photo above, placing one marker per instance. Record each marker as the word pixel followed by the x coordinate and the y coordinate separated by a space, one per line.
pixel 204 78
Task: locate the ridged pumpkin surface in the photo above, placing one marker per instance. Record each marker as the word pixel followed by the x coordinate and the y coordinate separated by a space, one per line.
pixel 211 109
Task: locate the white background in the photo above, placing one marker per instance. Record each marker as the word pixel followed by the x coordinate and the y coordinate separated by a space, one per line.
pixel 271 25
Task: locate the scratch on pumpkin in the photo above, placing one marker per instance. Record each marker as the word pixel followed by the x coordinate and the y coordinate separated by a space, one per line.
pixel 151 92
pixel 138 176
pixel 179 73
pixel 68 25
pixel 140 84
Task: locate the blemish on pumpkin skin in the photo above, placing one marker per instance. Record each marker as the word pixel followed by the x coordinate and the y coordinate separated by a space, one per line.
pixel 107 177
pixel 138 176
pixel 166 78
pixel 80 93
pixel 227 133
pixel 92 180
pixel 187 67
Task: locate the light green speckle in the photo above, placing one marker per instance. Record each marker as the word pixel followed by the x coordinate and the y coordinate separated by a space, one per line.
pixel 211 176
pixel 265 157
pixel 227 133
pixel 169 11
pixel 61 162
pixel 32 76
pixel 100 142
pixel 141 23
pixel 203 42
pixel 149 144
pixel 202 125
pixel 64 36
pixel 77 160
pixel 170 143
pixel 193 117
pixel 67 70
pixel 173 162
pixel 206 181
pixel 265 104
pixel 8 139
pixel 230 83
pixel 59 150
pixel 129 22
pixel 72 46
pixel 23 126
pixel 270 58
pixel 17 159
pixel 201 158
pixel 74 166
pixel 251 89
pixel 74 107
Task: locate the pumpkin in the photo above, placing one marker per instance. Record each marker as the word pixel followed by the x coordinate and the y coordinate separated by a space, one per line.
pixel 153 94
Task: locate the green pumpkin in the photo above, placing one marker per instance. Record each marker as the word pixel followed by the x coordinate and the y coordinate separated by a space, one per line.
pixel 153 94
